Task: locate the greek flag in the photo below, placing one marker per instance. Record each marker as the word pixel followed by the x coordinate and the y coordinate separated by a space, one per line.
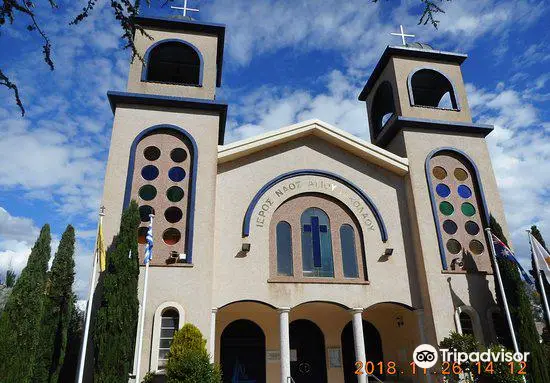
pixel 149 246
pixel 504 252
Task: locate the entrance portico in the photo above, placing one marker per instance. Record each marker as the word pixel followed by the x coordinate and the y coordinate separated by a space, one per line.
pixel 312 342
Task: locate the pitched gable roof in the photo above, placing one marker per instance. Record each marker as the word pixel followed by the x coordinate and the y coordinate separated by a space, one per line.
pixel 335 136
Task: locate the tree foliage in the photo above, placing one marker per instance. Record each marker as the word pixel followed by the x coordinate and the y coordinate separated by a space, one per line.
pixel 538 236
pixel 10 278
pixel 521 312
pixel 188 360
pixel 56 317
pixel 21 317
pixel 116 321
pixel 74 340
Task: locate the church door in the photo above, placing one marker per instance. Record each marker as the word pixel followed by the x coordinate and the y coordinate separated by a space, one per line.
pixel 373 350
pixel 307 355
pixel 242 353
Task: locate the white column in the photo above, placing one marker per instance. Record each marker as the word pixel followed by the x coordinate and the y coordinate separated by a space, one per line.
pixel 212 340
pixel 422 332
pixel 285 343
pixel 359 341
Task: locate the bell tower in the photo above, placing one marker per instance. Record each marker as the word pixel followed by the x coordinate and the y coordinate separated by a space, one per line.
pixel 417 108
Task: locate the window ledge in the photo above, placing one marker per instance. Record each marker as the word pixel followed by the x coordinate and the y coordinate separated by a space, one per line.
pixel 176 264
pixel 319 281
pixel 172 83
pixel 436 108
pixel 466 272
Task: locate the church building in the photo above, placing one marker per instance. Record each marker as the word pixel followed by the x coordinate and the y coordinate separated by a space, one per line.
pixel 303 250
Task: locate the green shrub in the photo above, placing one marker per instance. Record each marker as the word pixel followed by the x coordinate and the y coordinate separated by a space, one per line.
pixel 501 371
pixel 188 360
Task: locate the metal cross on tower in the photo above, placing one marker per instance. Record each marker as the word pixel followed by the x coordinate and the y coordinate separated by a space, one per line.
pixel 402 34
pixel 184 8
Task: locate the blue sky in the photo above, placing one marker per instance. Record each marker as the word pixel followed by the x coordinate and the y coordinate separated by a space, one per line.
pixel 285 61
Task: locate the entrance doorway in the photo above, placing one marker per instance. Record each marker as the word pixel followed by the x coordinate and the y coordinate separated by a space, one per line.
pixel 307 345
pixel 373 350
pixel 242 353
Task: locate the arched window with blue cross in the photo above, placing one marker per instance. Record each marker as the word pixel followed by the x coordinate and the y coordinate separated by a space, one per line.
pixel 316 244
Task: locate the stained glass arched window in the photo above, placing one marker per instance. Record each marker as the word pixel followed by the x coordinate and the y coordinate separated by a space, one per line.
pixel 316 244
pixel 458 210
pixel 349 255
pixel 284 248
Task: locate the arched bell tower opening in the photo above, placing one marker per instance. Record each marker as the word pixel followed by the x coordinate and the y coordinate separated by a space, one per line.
pixel 431 88
pixel 173 62
pixel 383 107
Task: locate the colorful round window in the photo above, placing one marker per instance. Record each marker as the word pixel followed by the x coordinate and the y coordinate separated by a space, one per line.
pixel 142 233
pixel 464 191
pixel 439 172
pixel 450 227
pixel 174 193
pixel 443 190
pixel 453 246
pixel 149 172
pixel 173 214
pixel 476 247
pixel 468 209
pixel 461 174
pixel 471 227
pixel 151 153
pixel 171 236
pixel 147 192
pixel 446 208
pixel 176 174
pixel 178 155
pixel 144 212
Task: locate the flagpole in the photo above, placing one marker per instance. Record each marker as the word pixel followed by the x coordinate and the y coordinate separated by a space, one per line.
pixel 84 348
pixel 539 277
pixel 143 308
pixel 501 287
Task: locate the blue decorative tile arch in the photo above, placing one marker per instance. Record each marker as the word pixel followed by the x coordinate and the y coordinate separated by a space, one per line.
pixel 323 173
pixel 192 181
pixel 485 211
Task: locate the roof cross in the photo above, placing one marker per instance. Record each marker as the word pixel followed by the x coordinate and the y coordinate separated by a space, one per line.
pixel 402 34
pixel 184 8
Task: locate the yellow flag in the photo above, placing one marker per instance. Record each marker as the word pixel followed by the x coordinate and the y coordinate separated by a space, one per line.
pixel 100 248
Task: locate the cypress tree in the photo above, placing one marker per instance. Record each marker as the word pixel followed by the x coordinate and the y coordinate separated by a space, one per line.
pixel 521 312
pixel 21 317
pixel 117 317
pixel 74 340
pixel 538 236
pixel 58 303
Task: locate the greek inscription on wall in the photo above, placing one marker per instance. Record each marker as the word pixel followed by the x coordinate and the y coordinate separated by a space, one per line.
pixel 276 195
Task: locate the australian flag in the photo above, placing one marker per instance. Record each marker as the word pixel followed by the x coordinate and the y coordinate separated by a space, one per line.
pixel 504 252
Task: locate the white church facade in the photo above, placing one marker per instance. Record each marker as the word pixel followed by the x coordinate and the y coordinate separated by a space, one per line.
pixel 306 249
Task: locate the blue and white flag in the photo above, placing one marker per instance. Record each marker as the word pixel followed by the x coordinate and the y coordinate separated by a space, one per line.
pixel 503 251
pixel 149 246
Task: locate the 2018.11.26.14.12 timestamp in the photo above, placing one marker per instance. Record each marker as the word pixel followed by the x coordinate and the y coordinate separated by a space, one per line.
pixel 447 368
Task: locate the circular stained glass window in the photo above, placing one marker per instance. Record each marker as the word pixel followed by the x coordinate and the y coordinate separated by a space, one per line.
pixel 144 212
pixel 149 172
pixel 147 192
pixel 151 153
pixel 142 233
pixel 461 174
pixel 464 191
pixel 176 174
pixel 446 208
pixel 171 236
pixel 476 247
pixel 178 155
pixel 471 227
pixel 468 209
pixel 450 227
pixel 453 246
pixel 439 172
pixel 443 190
pixel 173 214
pixel 174 194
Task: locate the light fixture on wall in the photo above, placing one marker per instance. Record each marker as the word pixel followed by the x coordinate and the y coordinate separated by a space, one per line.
pixel 399 321
pixel 246 247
